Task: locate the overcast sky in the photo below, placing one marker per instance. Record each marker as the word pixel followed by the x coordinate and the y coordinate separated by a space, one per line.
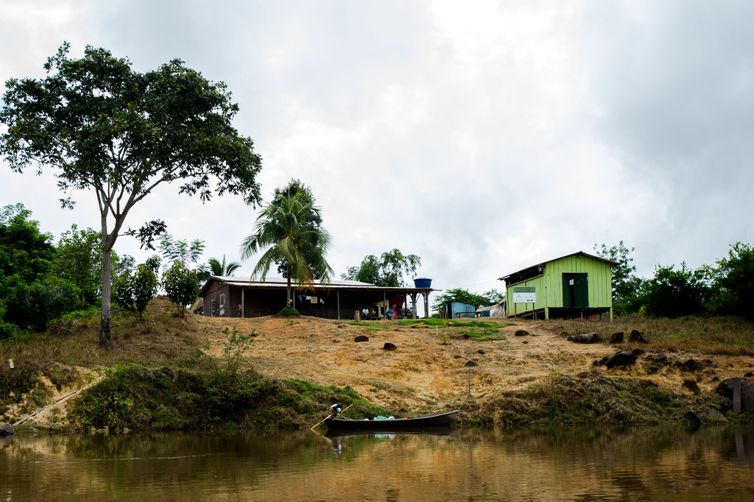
pixel 483 136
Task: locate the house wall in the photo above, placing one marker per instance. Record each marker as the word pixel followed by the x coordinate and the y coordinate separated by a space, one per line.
pixel 212 298
pixel 549 285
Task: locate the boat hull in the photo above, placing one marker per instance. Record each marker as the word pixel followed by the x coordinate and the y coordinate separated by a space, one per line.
pixel 425 422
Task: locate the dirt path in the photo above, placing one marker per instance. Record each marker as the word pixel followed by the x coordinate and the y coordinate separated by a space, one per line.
pixel 52 415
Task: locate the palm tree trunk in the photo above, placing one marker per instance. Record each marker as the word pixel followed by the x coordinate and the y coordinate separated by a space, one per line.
pixel 289 297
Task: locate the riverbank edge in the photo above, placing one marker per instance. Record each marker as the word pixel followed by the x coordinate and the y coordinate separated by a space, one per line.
pixel 134 398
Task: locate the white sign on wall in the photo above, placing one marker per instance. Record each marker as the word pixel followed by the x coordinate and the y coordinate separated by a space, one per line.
pixel 524 294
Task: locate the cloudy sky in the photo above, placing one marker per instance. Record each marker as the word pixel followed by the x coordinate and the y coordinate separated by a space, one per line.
pixel 483 136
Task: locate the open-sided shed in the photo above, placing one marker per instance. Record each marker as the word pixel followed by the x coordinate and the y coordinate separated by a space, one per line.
pixel 575 285
pixel 236 297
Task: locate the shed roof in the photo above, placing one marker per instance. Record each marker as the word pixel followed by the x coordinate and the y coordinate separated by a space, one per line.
pixel 537 269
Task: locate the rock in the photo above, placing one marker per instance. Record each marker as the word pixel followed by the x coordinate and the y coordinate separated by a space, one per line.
pixel 661 358
pixel 471 364
pixel 637 352
pixel 706 416
pixel 480 351
pixel 616 337
pixel 690 365
pixel 525 341
pixel 622 358
pixel 600 362
pixel 725 388
pixel 636 336
pixel 361 338
pixel 521 332
pixel 748 374
pixel 389 346
pixel 585 338
pixel 692 386
pixel 6 429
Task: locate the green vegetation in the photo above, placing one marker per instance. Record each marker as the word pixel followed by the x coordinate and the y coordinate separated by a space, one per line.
pixel 290 227
pixel 590 399
pixel 389 270
pixel 491 297
pixel 136 397
pixel 726 288
pixel 181 285
pixel 104 127
pixel 710 335
pixel 288 312
pixel 476 330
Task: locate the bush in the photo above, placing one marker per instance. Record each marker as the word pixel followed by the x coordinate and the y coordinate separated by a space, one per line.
pixel 675 293
pixel 288 312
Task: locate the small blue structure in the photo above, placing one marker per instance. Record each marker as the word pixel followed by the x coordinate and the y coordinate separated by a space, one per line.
pixel 454 310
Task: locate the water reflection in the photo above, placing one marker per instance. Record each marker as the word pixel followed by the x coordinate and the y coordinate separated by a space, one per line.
pixel 645 464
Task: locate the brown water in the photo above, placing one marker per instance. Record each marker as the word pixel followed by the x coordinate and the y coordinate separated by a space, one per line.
pixel 645 464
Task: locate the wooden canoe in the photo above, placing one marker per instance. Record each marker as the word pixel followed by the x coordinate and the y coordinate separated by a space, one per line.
pixel 392 425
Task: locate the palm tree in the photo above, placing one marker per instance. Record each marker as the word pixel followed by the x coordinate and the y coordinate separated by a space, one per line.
pixel 217 268
pixel 223 269
pixel 290 228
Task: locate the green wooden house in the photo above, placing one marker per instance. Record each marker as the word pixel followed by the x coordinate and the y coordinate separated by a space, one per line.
pixel 577 285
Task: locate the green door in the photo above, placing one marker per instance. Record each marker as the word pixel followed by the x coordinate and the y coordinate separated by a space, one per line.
pixel 575 291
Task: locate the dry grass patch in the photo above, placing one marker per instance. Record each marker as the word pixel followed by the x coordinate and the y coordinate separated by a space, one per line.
pixel 714 335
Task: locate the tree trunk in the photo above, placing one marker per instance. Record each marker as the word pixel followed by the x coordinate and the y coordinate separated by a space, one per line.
pixel 289 298
pixel 105 336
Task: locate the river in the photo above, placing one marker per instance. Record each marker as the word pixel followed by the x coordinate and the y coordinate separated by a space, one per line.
pixel 584 465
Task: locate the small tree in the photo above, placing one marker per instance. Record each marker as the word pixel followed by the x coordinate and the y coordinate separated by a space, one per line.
pixel 134 291
pixel 77 259
pixel 121 134
pixel 181 285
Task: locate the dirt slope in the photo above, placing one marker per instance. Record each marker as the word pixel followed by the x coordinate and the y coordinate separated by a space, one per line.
pixel 431 368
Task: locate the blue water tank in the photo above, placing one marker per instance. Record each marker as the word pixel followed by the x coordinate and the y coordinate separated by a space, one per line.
pixel 422 283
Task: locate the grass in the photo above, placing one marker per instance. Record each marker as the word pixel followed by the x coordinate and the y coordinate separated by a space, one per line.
pixel 713 335
pixel 585 400
pixel 473 329
pixel 139 398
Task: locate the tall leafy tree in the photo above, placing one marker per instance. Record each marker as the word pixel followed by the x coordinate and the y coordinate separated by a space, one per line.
pixel 104 127
pixel 628 288
pixel 734 281
pixel 389 270
pixel 290 229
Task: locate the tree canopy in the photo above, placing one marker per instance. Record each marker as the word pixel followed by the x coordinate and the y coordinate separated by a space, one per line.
pixel 389 270
pixel 104 127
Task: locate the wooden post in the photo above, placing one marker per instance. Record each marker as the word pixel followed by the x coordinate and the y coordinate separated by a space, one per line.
pixel 243 302
pixel 337 295
pixel 737 396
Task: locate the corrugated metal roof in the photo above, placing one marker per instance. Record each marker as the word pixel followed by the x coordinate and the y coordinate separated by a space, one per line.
pixel 580 253
pixel 280 282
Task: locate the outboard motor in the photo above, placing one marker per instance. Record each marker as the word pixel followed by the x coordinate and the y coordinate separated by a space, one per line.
pixel 335 409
